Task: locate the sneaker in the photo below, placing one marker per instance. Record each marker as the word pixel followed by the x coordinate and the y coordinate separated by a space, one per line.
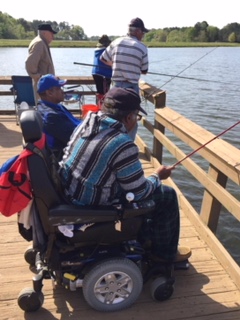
pixel 183 253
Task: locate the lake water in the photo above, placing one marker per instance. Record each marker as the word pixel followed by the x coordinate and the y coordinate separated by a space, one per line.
pixel 211 101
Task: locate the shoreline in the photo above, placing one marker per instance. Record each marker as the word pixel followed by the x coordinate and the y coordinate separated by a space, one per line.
pixel 12 43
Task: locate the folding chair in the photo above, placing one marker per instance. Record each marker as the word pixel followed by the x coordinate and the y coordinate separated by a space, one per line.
pixel 22 92
pixel 72 96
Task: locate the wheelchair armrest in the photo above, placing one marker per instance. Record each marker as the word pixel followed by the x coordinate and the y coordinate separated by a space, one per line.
pixel 139 208
pixel 70 214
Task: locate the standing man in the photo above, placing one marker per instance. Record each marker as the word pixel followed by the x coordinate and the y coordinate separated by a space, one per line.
pixel 128 56
pixel 39 60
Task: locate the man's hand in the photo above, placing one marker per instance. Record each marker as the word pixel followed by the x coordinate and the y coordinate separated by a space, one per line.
pixel 109 63
pixel 164 172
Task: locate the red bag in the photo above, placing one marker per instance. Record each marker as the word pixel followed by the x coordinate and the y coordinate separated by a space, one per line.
pixel 15 186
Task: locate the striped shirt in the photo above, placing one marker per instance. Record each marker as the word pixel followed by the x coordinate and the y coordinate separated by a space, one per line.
pixel 129 57
pixel 101 164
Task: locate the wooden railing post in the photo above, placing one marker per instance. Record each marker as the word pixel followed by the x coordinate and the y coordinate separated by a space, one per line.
pixel 158 98
pixel 211 207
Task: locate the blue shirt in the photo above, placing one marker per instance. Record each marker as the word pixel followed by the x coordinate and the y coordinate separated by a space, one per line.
pixel 101 68
pixel 58 124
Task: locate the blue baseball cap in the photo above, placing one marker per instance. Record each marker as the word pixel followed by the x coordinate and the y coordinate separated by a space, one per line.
pixel 48 81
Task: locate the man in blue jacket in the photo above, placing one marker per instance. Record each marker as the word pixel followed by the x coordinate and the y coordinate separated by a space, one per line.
pixel 58 121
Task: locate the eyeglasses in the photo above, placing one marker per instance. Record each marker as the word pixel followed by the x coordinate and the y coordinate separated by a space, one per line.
pixel 138 116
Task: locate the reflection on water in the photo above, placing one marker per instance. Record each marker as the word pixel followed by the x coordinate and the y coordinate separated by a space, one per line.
pixel 212 105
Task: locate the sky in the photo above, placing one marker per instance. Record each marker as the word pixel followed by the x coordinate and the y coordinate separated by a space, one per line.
pixel 112 17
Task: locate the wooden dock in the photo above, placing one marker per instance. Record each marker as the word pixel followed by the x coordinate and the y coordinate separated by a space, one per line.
pixel 210 289
pixel 204 292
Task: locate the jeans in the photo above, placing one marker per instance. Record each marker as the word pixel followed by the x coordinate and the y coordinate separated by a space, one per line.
pixel 125 84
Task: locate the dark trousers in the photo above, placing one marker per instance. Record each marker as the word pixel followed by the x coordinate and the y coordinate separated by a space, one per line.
pixel 161 228
pixel 102 83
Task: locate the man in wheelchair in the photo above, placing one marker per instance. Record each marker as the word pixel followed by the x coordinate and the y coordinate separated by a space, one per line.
pixel 132 222
pixel 58 121
pixel 101 163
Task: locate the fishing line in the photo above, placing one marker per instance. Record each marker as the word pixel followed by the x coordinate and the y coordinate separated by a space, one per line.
pixel 191 78
pixel 191 153
pixel 177 75
pixel 207 53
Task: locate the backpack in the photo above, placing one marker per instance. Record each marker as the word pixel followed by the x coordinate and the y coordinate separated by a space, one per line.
pixel 15 186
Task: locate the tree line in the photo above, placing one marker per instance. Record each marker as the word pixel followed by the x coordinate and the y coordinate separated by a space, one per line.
pixel 11 28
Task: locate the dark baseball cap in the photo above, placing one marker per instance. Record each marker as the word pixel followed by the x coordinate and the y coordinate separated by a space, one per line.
pixel 123 99
pixel 47 27
pixel 138 23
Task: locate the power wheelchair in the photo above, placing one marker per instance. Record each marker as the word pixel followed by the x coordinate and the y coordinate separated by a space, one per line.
pixel 106 260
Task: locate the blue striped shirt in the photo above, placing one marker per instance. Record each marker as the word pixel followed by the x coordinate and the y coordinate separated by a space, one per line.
pixel 101 163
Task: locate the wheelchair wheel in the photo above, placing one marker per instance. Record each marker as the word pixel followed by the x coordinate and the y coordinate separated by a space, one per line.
pixel 162 289
pixel 112 285
pixel 30 255
pixel 30 300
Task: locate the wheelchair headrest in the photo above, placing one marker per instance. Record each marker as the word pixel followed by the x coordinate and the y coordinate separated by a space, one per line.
pixel 31 125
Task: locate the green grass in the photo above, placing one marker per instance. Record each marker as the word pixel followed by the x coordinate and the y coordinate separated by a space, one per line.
pixel 92 44
pixel 54 44
pixel 190 44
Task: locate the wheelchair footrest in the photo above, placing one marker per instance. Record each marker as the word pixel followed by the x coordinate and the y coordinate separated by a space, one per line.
pixel 181 265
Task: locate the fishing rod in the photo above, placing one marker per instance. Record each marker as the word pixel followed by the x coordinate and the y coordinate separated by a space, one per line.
pixel 91 65
pixel 72 87
pixel 168 75
pixel 191 153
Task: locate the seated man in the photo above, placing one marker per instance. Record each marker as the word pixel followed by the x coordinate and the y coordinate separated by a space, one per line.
pixel 101 164
pixel 58 121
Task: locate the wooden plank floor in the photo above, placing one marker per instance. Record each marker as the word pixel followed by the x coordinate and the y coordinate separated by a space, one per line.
pixel 204 292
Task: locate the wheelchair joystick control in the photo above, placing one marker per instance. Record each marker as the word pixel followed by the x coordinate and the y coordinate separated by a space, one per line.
pixel 130 196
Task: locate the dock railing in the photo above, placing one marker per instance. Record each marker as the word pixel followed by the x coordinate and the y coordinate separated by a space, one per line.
pixel 221 166
pixel 6 82
pixel 79 87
